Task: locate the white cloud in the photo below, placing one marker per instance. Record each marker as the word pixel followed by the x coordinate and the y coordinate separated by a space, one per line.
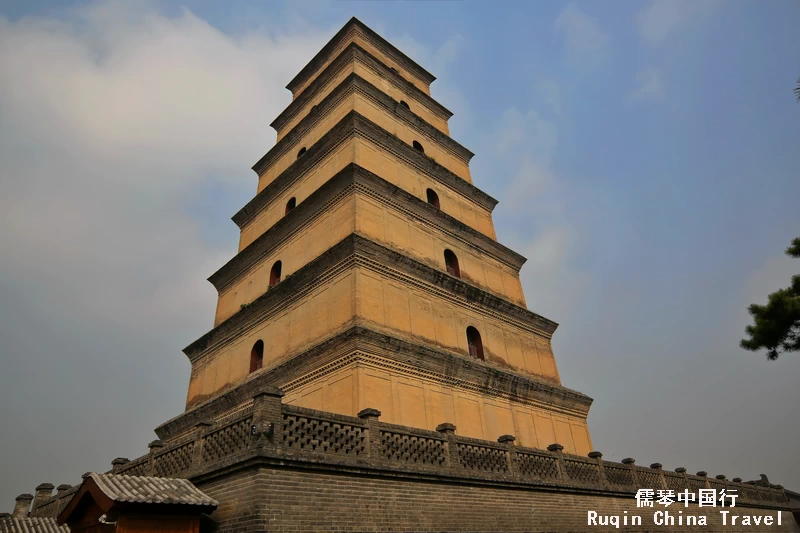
pixel 585 43
pixel 649 84
pixel 110 126
pixel 536 198
pixel 113 125
pixel 553 286
pixel 662 18
pixel 550 92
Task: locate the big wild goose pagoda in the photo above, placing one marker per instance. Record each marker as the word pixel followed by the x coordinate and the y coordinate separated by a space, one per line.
pixel 373 365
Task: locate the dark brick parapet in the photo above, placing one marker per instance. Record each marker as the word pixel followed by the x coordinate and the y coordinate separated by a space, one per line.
pixel 312 440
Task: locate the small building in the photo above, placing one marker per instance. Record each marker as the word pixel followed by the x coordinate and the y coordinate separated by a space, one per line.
pixel 127 504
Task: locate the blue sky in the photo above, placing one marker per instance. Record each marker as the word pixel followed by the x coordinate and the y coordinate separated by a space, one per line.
pixel 644 155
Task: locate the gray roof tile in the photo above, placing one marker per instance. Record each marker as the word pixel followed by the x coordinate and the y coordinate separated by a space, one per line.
pixel 141 489
pixel 31 525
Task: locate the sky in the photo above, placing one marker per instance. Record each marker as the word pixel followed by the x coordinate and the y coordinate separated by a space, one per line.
pixel 644 154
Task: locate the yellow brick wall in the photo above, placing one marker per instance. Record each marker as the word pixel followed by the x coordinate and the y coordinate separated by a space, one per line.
pixel 404 309
pixel 433 319
pixel 425 403
pixel 383 224
pixel 297 251
pixel 313 179
pixel 297 327
pixel 408 178
pixel 385 165
pixel 427 244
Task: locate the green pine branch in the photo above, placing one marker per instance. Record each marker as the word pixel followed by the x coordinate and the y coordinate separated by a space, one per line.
pixel 776 326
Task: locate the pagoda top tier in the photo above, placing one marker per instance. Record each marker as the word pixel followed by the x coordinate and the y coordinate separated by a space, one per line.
pixel 358 32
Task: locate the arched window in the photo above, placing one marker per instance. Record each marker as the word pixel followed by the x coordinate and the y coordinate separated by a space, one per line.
pixel 433 198
pixel 257 356
pixel 451 262
pixel 474 343
pixel 291 204
pixel 405 104
pixel 418 146
pixel 275 274
pixel 301 152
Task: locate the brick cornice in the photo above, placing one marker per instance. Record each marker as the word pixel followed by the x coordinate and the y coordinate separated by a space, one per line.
pixel 358 250
pixel 356 26
pixel 355 124
pixel 355 84
pixel 353 52
pixel 361 344
pixel 347 181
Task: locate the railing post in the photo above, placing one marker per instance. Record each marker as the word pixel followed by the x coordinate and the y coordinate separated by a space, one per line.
pixel 200 430
pixel 703 474
pixel 631 462
pixel 721 477
pixel 155 447
pixel 562 468
pixel 660 471
pixel 43 493
pixel 511 455
pixel 22 506
pixel 267 424
pixel 118 463
pixel 682 471
pixel 597 456
pixel 370 417
pixel 449 431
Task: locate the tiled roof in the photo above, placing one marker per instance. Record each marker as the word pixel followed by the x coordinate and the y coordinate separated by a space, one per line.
pixel 31 525
pixel 140 489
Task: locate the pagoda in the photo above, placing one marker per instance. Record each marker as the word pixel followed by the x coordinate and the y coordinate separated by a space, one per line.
pixel 369 274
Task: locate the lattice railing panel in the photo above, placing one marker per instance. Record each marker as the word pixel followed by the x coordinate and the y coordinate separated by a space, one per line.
pixel 49 509
pixel 174 461
pixel 696 484
pixel 412 448
pixel 137 468
pixel 751 495
pixel 537 466
pixel 648 479
pixel 582 472
pixel 227 440
pixel 766 496
pixel 324 436
pixel 483 458
pixel 675 482
pixel 618 476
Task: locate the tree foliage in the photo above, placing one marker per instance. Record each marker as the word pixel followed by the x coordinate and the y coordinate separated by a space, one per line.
pixel 776 326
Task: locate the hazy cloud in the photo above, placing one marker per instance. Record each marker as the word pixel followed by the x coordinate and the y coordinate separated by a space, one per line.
pixel 537 201
pixel 124 132
pixel 585 43
pixel 662 18
pixel 648 84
